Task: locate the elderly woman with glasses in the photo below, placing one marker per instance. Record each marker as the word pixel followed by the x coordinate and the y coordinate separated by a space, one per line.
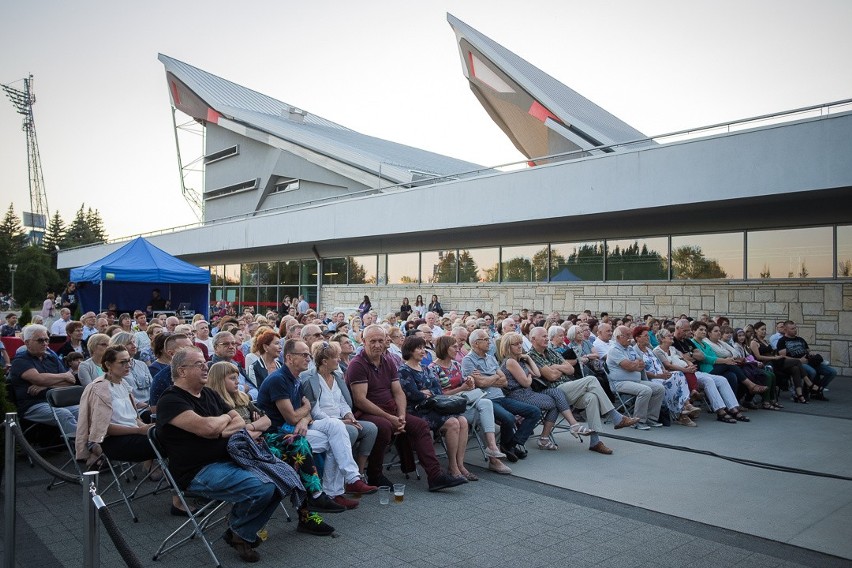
pixel 108 424
pixel 138 376
pixel 91 369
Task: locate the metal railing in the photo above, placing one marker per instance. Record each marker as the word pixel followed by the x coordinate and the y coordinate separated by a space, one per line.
pixel 813 111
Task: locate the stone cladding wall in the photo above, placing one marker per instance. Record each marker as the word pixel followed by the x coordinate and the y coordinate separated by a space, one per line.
pixel 823 309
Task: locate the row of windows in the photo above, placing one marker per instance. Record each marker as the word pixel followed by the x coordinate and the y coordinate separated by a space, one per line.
pixel 815 252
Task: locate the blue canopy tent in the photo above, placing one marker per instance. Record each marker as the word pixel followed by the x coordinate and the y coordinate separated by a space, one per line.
pixel 127 277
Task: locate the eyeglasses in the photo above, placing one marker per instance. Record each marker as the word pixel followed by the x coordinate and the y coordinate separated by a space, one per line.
pixel 40 339
pixel 123 362
pixel 197 365
pixel 304 354
pixel 227 343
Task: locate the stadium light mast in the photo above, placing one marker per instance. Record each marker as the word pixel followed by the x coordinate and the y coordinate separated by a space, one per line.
pixel 36 219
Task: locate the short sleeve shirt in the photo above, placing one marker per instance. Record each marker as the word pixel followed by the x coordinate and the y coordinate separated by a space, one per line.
pixel 23 363
pixel 378 377
pixel 795 346
pixel 277 386
pixel 189 453
pixel 617 354
pixel 550 357
pixel 487 366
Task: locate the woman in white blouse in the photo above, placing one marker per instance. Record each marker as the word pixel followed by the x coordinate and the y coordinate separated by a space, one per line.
pixel 330 398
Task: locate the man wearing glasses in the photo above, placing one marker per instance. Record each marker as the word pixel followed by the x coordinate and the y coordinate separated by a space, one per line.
pixel 486 373
pixel 310 334
pixel 33 373
pixel 225 349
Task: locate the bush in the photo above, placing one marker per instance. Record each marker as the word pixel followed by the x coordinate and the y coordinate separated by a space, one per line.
pixel 26 315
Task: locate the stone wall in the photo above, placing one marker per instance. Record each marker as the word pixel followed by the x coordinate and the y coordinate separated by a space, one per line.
pixel 823 309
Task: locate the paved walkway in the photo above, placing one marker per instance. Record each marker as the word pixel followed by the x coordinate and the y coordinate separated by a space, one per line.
pixel 642 506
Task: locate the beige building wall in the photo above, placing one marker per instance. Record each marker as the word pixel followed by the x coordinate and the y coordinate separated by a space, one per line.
pixel 822 309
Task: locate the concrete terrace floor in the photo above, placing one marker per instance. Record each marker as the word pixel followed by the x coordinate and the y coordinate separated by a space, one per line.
pixel 643 506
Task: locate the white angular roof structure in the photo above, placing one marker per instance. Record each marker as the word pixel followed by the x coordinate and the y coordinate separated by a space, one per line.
pixel 209 98
pixel 538 113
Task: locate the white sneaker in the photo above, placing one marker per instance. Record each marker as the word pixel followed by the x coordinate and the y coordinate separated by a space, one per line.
pixel 654 424
pixel 642 426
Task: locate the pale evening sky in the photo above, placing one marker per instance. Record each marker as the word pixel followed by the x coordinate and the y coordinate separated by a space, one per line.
pixel 384 68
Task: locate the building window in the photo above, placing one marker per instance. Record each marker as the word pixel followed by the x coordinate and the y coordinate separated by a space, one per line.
pixel 221 154
pixel 248 185
pixel 362 269
pixel 404 268
pixel 309 273
pixel 791 253
pixel 524 264
pixel 286 185
pixel 479 265
pixel 696 257
pixel 844 251
pixel 217 276
pixel 288 272
pixel 267 299
pixel 334 271
pixel 438 266
pixel 637 259
pixel 232 275
pixel 573 262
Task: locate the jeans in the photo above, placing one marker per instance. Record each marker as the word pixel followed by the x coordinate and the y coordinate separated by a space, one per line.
pixel 822 376
pixel 254 501
pixel 67 415
pixel 505 410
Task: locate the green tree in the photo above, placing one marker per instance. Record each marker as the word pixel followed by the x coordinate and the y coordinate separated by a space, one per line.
pixel 468 270
pixel 584 263
pixel 35 276
pixel 518 269
pixel 357 273
pixel 844 268
pixel 55 234
pixel 96 225
pixel 689 262
pixel 635 263
pixel 78 233
pixel 539 262
pixel 445 270
pixel 12 240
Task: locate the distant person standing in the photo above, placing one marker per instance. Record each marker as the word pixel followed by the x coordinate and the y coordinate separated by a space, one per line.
pixel 435 306
pixel 302 307
pixel 69 297
pixel 157 302
pixel 48 309
pixel 365 306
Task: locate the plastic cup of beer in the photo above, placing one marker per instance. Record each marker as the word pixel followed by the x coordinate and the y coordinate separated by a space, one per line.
pixel 398 493
pixel 384 495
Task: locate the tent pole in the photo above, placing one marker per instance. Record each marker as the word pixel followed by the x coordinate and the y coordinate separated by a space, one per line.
pixel 101 297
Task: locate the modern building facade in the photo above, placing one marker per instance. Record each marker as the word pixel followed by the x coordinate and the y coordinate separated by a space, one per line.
pixel 752 219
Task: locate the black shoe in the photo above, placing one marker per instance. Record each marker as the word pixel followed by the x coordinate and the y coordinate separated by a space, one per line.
pixel 510 453
pixel 520 451
pixel 445 481
pixel 229 538
pixel 311 523
pixel 245 549
pixel 817 395
pixel 324 504
pixel 179 512
pixel 380 481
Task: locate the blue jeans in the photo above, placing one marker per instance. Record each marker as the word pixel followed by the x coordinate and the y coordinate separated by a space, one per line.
pixel 505 410
pixel 822 376
pixel 254 501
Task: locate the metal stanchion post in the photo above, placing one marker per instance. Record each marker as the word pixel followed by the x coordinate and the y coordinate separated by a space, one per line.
pixel 9 509
pixel 91 539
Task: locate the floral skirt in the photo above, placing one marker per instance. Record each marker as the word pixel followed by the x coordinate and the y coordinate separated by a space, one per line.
pixel 677 392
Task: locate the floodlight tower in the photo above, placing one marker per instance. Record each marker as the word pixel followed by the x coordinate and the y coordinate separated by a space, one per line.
pixel 36 219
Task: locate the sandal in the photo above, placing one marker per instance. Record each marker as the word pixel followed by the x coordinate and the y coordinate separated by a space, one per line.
pixel 578 430
pixel 742 417
pixel 547 444
pixel 726 418
pixel 470 476
pixel 800 399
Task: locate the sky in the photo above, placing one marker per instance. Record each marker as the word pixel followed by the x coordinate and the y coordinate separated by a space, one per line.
pixel 385 68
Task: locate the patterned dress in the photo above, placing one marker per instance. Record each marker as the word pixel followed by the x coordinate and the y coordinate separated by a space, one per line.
pixel 551 400
pixel 413 382
pixel 677 390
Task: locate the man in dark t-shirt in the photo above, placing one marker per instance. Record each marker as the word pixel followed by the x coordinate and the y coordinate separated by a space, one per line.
pixel 194 425
pixel 819 372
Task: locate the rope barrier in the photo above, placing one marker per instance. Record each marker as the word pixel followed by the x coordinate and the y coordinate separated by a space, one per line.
pixel 130 559
pixel 39 460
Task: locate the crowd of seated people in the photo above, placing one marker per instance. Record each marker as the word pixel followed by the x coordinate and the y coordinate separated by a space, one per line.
pixel 328 394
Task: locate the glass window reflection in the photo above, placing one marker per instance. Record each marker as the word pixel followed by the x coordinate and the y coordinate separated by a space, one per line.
pixel 790 253
pixel 697 257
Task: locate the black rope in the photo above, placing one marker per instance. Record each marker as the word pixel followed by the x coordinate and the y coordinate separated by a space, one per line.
pixel 40 461
pixel 115 535
pixel 742 461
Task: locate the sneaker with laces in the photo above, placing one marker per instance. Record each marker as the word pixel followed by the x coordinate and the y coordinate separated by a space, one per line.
pixel 642 426
pixel 311 523
pixel 324 504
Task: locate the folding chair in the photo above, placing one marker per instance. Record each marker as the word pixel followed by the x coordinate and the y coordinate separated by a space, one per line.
pixel 199 521
pixel 43 437
pixel 63 398
pixel 624 403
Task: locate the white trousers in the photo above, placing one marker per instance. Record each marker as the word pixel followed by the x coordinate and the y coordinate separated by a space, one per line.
pixel 718 391
pixel 329 435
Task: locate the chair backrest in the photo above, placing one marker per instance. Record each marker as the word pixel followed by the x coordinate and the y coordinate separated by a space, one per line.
pixel 154 440
pixel 12 344
pixel 64 396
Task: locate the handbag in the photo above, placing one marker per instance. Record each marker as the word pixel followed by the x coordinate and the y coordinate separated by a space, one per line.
pixel 815 360
pixel 444 404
